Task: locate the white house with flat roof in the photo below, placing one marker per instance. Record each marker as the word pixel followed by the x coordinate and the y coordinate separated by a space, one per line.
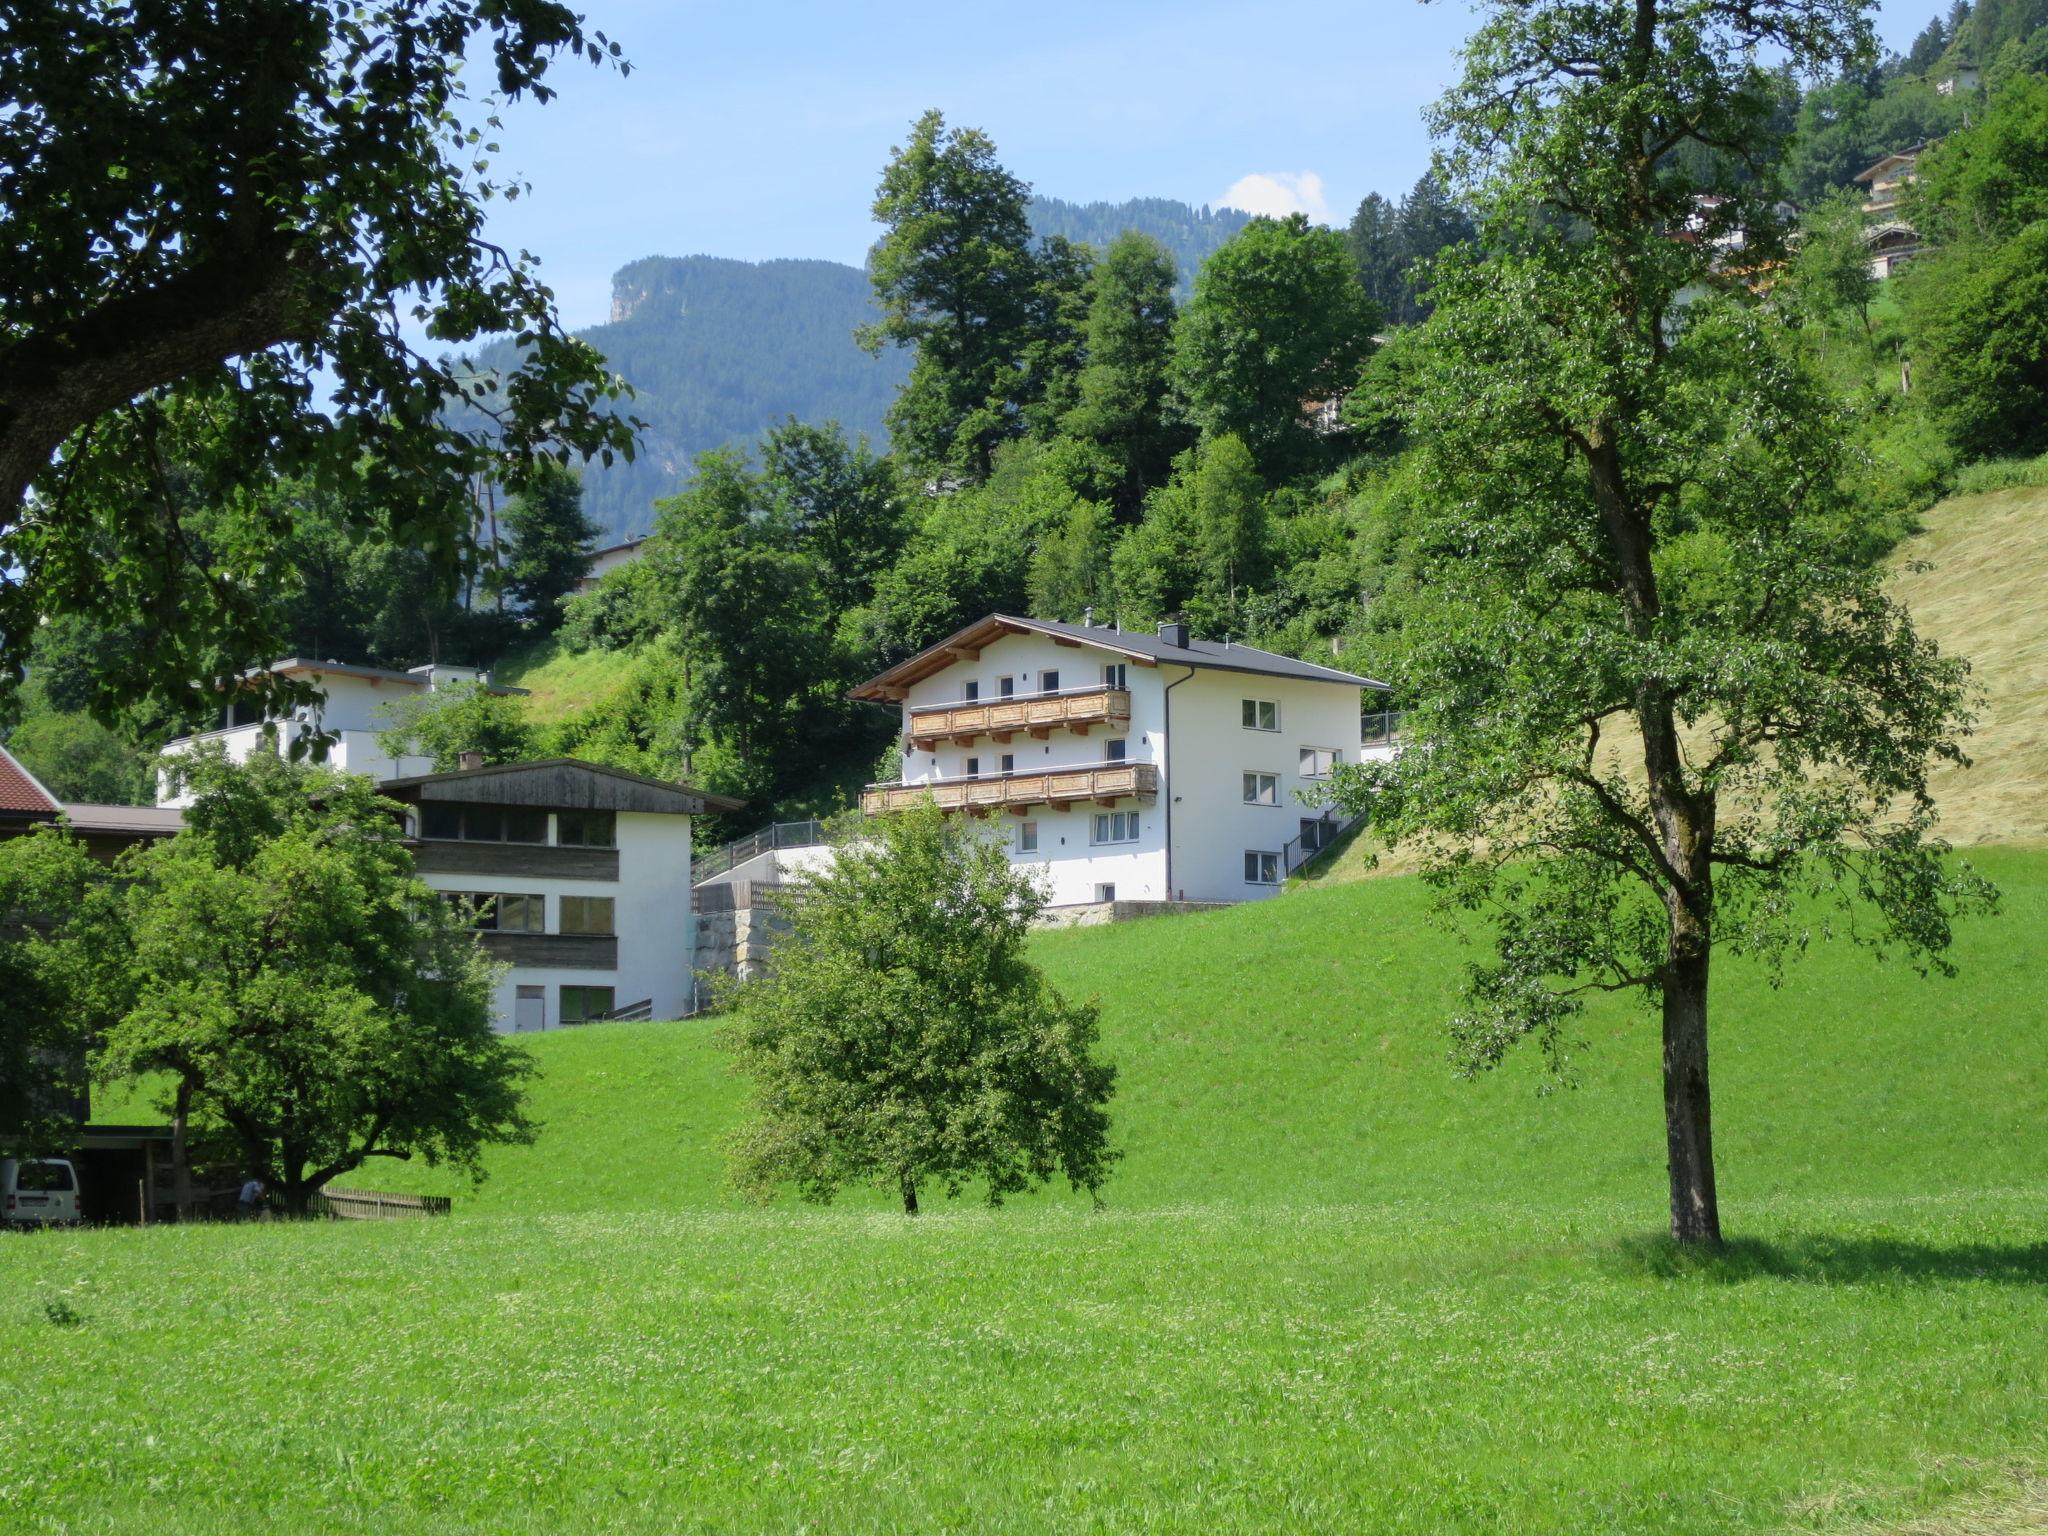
pixel 1127 766
pixel 348 714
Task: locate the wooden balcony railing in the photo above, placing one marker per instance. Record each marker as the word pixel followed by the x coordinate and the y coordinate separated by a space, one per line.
pixel 1077 710
pixel 1058 788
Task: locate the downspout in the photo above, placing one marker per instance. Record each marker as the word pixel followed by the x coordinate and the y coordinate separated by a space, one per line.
pixel 1166 726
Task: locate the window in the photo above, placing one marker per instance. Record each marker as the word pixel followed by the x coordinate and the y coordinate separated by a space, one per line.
pixel 582 1004
pixel 483 823
pixel 586 914
pixel 1116 826
pixel 1106 891
pixel 1115 751
pixel 500 912
pixel 1027 837
pixel 971 690
pixel 1114 675
pixel 1261 715
pixel 1006 687
pixel 1048 682
pixel 42 1178
pixel 1316 762
pixel 1262 789
pixel 974 767
pixel 587 829
pixel 1261 868
pixel 1009 762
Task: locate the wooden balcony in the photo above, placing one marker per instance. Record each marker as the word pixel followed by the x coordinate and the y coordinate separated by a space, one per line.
pixel 1037 715
pixel 1017 793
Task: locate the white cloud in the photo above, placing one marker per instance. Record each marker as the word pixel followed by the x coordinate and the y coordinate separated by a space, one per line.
pixel 1279 193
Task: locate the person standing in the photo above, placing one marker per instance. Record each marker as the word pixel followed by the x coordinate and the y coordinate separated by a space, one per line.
pixel 251 1202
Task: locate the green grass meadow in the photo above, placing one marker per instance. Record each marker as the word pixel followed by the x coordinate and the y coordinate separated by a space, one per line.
pixel 1331 1288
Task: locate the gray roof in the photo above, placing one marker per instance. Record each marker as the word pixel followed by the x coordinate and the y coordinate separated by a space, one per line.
pixel 1221 654
pixel 128 820
pixel 559 783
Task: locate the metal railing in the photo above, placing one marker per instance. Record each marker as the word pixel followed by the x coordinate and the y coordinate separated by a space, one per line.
pixel 782 834
pixel 1381 728
pixel 1305 849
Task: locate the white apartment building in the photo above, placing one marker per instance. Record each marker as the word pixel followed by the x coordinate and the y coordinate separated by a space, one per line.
pixel 349 714
pixel 575 875
pixel 1125 766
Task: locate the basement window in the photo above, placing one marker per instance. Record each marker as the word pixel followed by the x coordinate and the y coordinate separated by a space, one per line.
pixel 1261 868
pixel 580 1005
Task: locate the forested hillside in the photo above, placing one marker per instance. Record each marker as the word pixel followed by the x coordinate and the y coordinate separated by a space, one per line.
pixel 1189 235
pixel 717 351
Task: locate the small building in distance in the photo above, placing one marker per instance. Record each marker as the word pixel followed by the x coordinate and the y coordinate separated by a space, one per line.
pixel 604 561
pixel 1888 180
pixel 576 875
pixel 1127 766
pixel 105 830
pixel 348 714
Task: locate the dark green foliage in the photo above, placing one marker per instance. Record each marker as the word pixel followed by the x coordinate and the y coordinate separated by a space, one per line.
pixel 1428 222
pixel 904 1040
pixel 1374 240
pixel 1976 308
pixel 551 542
pixel 1125 387
pixel 1278 323
pixel 955 278
pixel 77 758
pixel 218 225
pixel 1188 235
pixel 842 504
pixel 49 957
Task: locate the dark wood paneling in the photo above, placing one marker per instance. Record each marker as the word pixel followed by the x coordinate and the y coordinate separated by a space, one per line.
pixel 511 859
pixel 566 951
pixel 555 786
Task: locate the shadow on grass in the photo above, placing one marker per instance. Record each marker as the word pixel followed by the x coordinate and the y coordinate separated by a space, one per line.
pixel 1832 1260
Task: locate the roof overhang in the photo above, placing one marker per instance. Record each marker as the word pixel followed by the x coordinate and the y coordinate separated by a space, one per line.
pixel 558 783
pixel 966 644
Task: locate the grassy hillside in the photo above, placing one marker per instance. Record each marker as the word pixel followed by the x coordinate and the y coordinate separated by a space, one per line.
pixel 563 682
pixel 1331 1288
pixel 1976 580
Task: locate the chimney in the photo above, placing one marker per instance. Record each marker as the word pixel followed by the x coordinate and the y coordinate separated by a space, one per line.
pixel 1175 634
pixel 1088 617
pixel 472 760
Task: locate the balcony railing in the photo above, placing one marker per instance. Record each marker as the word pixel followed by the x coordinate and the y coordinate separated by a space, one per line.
pixel 1018 792
pixel 1078 710
pixel 1381 728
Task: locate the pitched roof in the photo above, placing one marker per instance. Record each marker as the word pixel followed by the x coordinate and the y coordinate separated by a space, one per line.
pixel 1222 656
pixel 548 781
pixel 21 793
pixel 125 820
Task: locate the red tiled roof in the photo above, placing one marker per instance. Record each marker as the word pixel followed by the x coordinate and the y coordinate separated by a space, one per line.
pixel 19 791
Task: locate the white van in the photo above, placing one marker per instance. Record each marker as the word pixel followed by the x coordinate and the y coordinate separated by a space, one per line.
pixel 38 1192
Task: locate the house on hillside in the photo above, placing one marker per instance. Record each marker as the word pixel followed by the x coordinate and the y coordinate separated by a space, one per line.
pixel 348 714
pixel 1128 766
pixel 576 875
pixel 1889 179
pixel 604 561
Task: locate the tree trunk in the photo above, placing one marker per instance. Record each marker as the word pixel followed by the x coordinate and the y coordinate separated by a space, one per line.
pixel 1688 1108
pixel 181 1150
pixel 909 1195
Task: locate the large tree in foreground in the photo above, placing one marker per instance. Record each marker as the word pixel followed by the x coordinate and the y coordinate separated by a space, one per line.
pixel 903 1038
pixel 224 226
pixel 1668 709
pixel 303 990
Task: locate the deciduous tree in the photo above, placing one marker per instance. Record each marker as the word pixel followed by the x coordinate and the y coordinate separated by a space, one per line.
pixel 1126 385
pixel 903 1039
pixel 220 226
pixel 1666 701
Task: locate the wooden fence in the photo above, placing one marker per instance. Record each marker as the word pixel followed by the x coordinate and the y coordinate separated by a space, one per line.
pixel 368 1205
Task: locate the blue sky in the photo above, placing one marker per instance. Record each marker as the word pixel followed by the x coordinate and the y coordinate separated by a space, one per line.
pixel 758 130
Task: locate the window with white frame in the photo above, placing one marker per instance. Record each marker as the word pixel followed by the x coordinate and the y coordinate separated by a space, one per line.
pixel 1027 837
pixel 1009 762
pixel 1116 827
pixel 973 767
pixel 1261 868
pixel 1048 682
pixel 970 691
pixel 1261 715
pixel 1006 687
pixel 1115 675
pixel 1116 751
pixel 1316 762
pixel 1105 891
pixel 1262 789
